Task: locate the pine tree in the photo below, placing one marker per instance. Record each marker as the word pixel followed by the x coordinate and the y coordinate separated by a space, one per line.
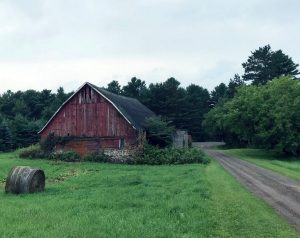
pixel 114 87
pixel 5 137
pixel 136 88
pixel 264 65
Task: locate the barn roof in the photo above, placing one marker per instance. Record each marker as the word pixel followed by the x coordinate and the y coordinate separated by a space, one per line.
pixel 131 109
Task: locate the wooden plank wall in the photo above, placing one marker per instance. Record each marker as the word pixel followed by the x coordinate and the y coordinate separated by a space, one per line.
pixel 88 114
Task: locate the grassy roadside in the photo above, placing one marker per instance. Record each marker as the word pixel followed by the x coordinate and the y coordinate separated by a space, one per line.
pixel 286 166
pixel 105 200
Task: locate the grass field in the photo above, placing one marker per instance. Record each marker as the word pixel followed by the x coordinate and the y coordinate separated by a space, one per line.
pixel 105 200
pixel 288 166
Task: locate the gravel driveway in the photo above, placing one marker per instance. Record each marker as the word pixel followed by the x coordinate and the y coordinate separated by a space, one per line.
pixel 282 193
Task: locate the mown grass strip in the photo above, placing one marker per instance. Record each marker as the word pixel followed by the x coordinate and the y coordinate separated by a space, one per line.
pixel 288 166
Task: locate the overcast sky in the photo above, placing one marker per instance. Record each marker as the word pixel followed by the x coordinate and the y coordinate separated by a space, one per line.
pixel 52 43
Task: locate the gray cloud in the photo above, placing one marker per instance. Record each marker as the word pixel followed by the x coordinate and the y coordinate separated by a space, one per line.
pixel 201 42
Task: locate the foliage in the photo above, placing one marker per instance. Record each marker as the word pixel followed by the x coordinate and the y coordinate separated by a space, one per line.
pixel 136 88
pixel 261 116
pixel 97 156
pixel 223 92
pixel 197 103
pixel 24 131
pixel 48 144
pixel 5 137
pixel 67 156
pixel 264 65
pixel 26 112
pixel 164 99
pixel 234 84
pixel 150 155
pixel 219 93
pixel 159 131
pixel 184 107
pixel 45 150
pixel 114 87
pixel 31 152
pixel 154 156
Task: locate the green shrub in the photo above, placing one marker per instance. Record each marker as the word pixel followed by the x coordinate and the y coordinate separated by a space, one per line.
pixel 151 156
pixel 67 156
pixel 159 131
pixel 31 152
pixel 97 156
pixel 48 144
pixel 154 156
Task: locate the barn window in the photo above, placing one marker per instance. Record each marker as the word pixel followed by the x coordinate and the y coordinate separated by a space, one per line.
pixel 121 143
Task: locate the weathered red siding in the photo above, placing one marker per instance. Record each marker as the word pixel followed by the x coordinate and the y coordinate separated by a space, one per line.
pixel 87 145
pixel 89 115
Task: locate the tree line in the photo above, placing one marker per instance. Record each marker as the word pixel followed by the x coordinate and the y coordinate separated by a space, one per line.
pixel 265 113
pixel 22 115
pixel 265 116
pixel 194 108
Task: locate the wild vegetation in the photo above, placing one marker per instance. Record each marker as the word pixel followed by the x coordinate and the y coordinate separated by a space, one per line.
pixel 108 200
pixel 150 155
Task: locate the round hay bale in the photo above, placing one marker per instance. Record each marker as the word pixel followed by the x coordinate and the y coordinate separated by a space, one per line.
pixel 24 179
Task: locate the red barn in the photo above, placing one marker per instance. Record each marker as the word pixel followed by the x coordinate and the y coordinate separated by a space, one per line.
pixel 96 119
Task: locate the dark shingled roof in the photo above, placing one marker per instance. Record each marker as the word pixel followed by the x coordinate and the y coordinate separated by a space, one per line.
pixel 134 111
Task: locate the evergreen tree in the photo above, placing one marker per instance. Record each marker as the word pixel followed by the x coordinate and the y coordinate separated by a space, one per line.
pixel 7 104
pixel 264 65
pixel 136 88
pixel 219 93
pixel 24 113
pixel 197 104
pixel 25 131
pixel 167 99
pixel 5 137
pixel 114 87
pixel 233 85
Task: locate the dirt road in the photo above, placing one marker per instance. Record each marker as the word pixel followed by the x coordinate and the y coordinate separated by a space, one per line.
pixel 282 193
